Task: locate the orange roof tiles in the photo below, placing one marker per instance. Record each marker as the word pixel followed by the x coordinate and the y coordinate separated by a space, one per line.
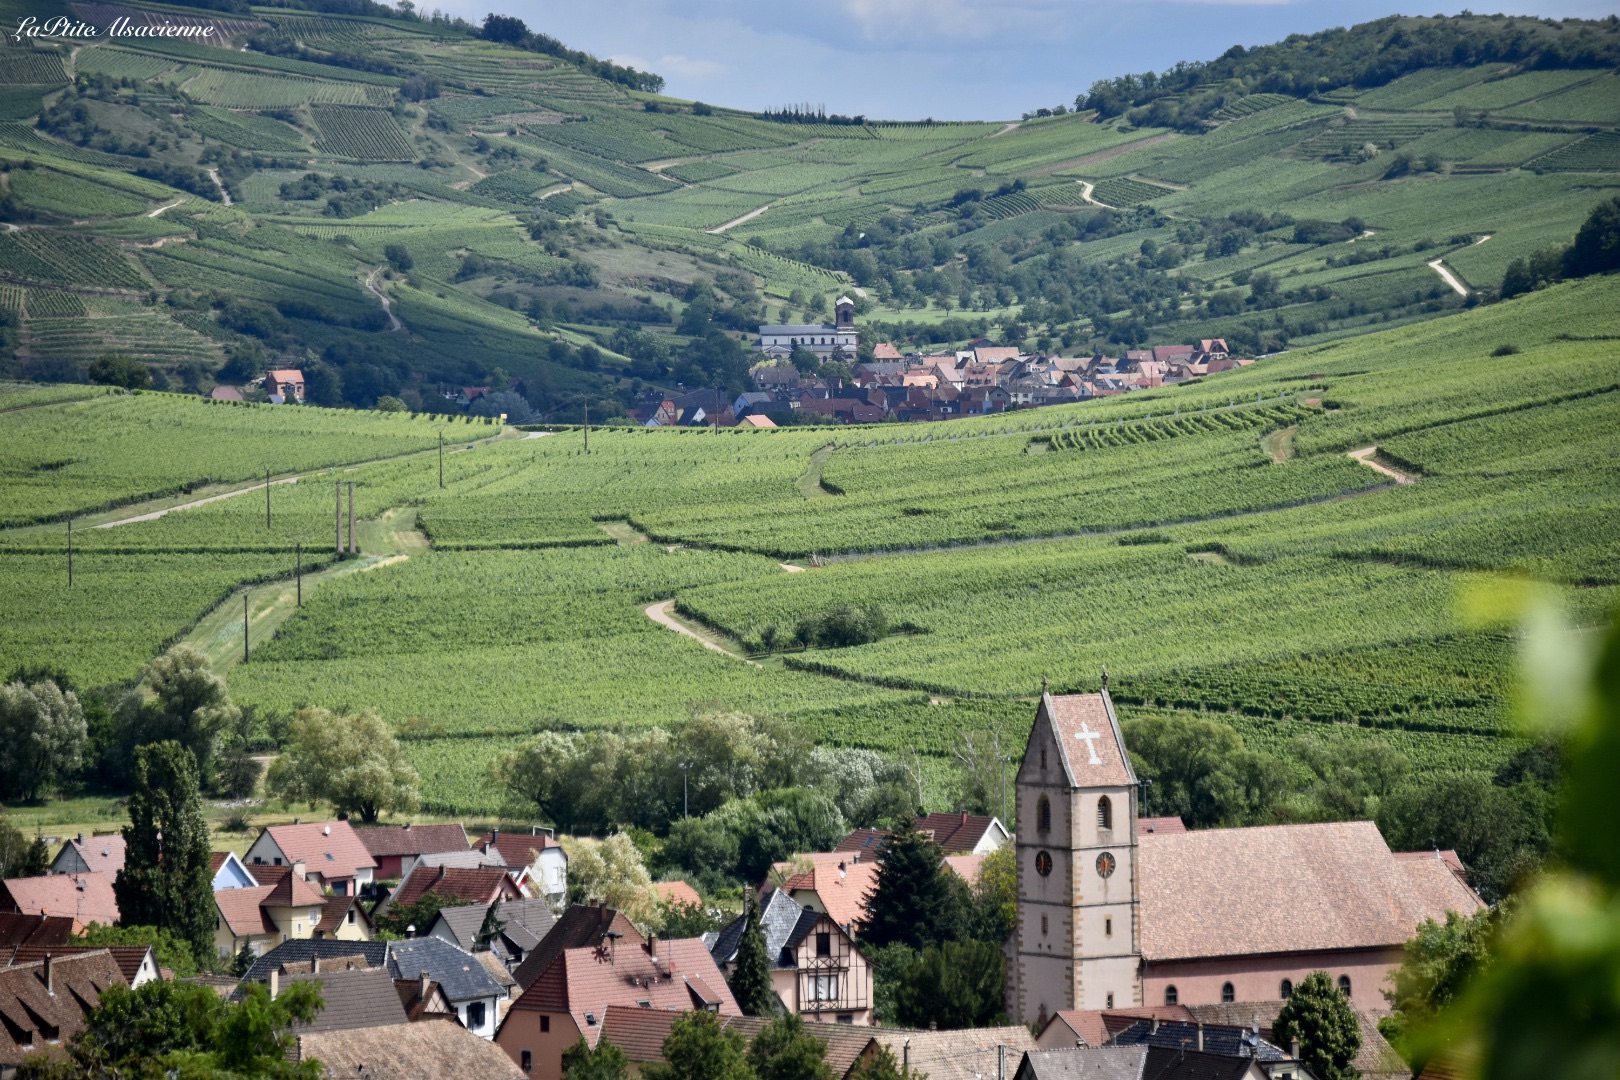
pixel 518 849
pixel 337 853
pixel 965 866
pixel 677 893
pixel 84 898
pixel 839 882
pixel 467 884
pixel 101 854
pixel 381 840
pixel 1089 740
pixel 1328 886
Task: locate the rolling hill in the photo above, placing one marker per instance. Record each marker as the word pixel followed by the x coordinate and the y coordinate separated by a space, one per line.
pixel 401 205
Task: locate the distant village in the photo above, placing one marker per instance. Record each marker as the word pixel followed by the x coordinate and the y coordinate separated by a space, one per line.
pixel 980 380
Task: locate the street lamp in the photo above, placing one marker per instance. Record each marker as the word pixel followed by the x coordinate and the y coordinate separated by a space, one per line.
pixel 685 768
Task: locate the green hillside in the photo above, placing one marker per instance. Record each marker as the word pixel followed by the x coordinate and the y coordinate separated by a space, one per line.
pixel 1216 546
pixel 531 212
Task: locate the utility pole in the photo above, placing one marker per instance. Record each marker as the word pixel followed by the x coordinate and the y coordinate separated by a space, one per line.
pixel 441 459
pixel 587 427
pixel 717 409
pixel 70 553
pixel 244 627
pixel 337 518
pixel 686 800
pixel 299 572
pixel 352 548
pixel 267 498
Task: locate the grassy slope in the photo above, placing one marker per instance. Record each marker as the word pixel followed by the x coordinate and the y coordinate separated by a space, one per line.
pixel 1276 617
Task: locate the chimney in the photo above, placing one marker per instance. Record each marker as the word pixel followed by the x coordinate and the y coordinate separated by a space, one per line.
pixel 298 821
pixel 652 945
pixel 1293 1048
pixel 275 983
pixel 410 932
pixel 81 838
pixel 1155 1025
pixel 299 870
pixel 50 976
pixel 315 965
pixel 422 983
pixel 1200 1036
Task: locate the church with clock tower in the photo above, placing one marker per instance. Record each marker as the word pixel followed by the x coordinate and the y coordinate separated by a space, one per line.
pixel 1116 911
pixel 1076 941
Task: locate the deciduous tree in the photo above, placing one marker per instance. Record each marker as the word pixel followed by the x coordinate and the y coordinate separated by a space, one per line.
pixel 1321 1018
pixel 606 1062
pixel 611 872
pixel 698 1048
pixel 783 1050
pixel 42 738
pixel 351 762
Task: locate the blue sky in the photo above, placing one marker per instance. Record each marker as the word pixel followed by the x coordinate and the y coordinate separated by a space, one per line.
pixel 950 59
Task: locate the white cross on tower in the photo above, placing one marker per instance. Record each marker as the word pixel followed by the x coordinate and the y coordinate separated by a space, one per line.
pixel 1089 737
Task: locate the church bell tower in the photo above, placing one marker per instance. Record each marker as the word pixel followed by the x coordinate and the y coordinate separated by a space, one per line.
pixel 1076 942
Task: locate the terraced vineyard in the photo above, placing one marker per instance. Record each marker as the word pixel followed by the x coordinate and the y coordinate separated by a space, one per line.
pixel 347 131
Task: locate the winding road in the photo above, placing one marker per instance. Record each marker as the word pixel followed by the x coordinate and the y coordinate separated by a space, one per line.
pixel 1367 455
pixel 1439 267
pixel 750 216
pixel 388 305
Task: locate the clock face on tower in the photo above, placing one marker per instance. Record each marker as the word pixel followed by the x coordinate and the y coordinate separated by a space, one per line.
pixel 1043 863
pixel 1105 864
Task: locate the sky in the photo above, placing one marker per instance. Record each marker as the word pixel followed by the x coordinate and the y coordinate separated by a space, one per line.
pixel 948 59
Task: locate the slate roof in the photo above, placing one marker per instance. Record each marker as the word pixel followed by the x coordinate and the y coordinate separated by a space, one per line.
pixel 584 982
pixel 1089 740
pixel 431 1050
pixel 957 1055
pixel 1377 1059
pixel 1084 1063
pixel 101 854
pixel 784 922
pixel 1223 1039
pixel 385 840
pixel 578 927
pixel 527 922
pixel 458 973
pixel 18 929
pixel 354 999
pixel 84 898
pixel 1097 1026
pixel 128 957
pixel 468 884
pixel 798 330
pixel 1329 886
pixel 841 883
pixel 33 1018
pixel 304 950
pixel 336 854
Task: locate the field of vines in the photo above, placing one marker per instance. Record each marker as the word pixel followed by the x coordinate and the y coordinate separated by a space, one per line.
pixel 47 255
pixel 1122 191
pixel 347 131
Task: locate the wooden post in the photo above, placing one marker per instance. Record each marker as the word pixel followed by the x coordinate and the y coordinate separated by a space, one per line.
pixel 267 498
pixel 337 519
pixel 441 459
pixel 244 627
pixel 352 548
pixel 587 427
pixel 299 572
pixel 70 553
pixel 717 409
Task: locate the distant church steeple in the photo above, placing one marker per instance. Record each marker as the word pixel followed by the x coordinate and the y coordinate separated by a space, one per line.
pixel 1076 943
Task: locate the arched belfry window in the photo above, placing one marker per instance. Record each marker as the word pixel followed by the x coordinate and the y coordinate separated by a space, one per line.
pixel 1170 996
pixel 1286 991
pixel 1105 813
pixel 1228 994
pixel 1043 815
pixel 1344 985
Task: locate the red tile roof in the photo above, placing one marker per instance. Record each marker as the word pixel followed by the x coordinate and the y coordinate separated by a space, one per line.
pixel 128 957
pixel 293 891
pixel 839 881
pixel 677 893
pixel 337 911
pixel 1097 1026
pixel 1089 739
pixel 578 927
pixel 639 1032
pixel 84 898
pixel 466 884
pixel 241 910
pixel 966 867
pixel 1329 886
pixel 1160 825
pixel 328 848
pixel 518 849
pixel 584 982
pixel 383 840
pixel 101 854
pixel 16 929
pixel 35 1018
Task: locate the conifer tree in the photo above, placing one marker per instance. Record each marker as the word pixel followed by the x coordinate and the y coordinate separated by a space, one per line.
pixel 911 902
pixel 492 926
pixel 165 881
pixel 751 980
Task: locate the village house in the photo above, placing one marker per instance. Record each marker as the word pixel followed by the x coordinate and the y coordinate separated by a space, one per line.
pixel 93 855
pixel 261 917
pixel 581 926
pixel 397 847
pixel 538 862
pixel 1160 1063
pixel 570 998
pixel 835 883
pixel 285 386
pixel 1103 917
pixel 471 990
pixel 524 924
pixel 230 872
pixel 45 1004
pixel 137 963
pixel 461 885
pixel 817 970
pixel 330 852
pixel 956 832
pixel 84 898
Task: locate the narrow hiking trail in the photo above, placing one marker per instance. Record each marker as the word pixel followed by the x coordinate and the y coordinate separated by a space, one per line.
pixel 1367 455
pixel 1439 267
pixel 153 515
pixel 1086 189
pixel 387 304
pixel 159 211
pixel 750 216
pixel 662 612
pixel 224 193
pixel 1012 125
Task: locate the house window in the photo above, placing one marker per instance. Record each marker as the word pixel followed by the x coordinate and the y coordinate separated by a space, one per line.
pixel 278 860
pixel 824 988
pixel 846 1018
pixel 1105 813
pixel 258 860
pixel 526 1060
pixel 351 916
pixel 1043 757
pixel 1286 991
pixel 475 1016
pixel 545 1025
pixel 1043 924
pixel 1344 985
pixel 1228 995
pixel 1108 927
pixel 1110 999
pixel 823 944
pixel 1043 815
pixel 1171 997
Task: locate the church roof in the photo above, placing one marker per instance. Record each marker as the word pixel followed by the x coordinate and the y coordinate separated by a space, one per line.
pixel 1088 738
pixel 1285 889
pixel 796 330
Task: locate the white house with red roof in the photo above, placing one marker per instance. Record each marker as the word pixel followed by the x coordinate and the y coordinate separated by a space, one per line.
pixel 535 859
pixel 331 852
